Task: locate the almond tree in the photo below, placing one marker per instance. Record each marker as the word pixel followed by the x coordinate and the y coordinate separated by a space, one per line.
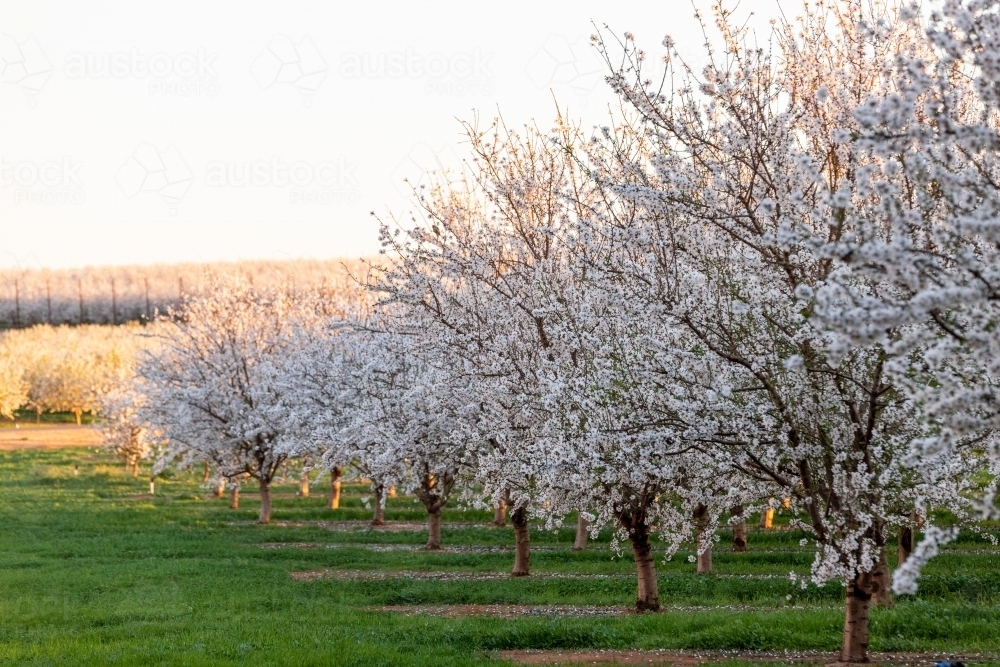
pixel 216 387
pixel 473 268
pixel 325 399
pixel 930 248
pixel 496 266
pixel 321 391
pixel 13 387
pixel 745 166
pixel 402 425
pixel 120 398
pixel 124 433
pixel 629 446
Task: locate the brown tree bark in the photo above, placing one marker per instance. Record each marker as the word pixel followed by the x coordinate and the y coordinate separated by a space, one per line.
pixel 648 595
pixel 378 519
pixel 859 596
pixel 500 514
pixel 582 532
pixel 135 467
pixel 392 492
pixel 234 497
pixel 304 485
pixel 739 529
pixel 78 413
pixel 905 547
pixel 703 542
pixel 522 543
pixel 434 530
pixel 220 488
pixel 882 582
pixel 433 493
pixel 335 476
pixel 204 475
pixel 265 502
pixel 767 518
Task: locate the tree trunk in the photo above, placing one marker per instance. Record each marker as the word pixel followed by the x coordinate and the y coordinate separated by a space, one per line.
pixel 648 597
pixel 152 486
pixel 859 596
pixel 265 503
pixel 335 476
pixel 234 497
pixel 304 485
pixel 204 475
pixel 38 415
pixel 78 413
pixel 767 518
pixel 905 547
pixel 434 530
pixel 500 514
pixel 379 517
pixel 703 542
pixel 739 529
pixel 135 467
pixel 582 532
pixel 220 488
pixel 882 582
pixel 522 543
pixel 392 492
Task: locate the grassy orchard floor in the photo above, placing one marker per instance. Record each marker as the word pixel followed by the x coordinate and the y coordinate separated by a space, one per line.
pixel 94 572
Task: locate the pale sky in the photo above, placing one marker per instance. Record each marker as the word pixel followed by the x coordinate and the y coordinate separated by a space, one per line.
pixel 135 133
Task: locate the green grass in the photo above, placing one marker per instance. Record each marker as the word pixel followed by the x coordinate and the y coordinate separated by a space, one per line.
pixel 93 572
pixel 29 417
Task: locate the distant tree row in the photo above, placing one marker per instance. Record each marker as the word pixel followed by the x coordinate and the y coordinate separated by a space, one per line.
pixel 65 369
pixel 119 294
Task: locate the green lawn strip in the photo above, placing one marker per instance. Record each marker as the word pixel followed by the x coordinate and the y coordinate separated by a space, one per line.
pixel 92 571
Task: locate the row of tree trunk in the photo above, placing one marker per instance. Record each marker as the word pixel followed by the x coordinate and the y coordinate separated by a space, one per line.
pixel 880 577
pixel 304 485
pixel 865 590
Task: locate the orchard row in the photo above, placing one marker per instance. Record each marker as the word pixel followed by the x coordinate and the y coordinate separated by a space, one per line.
pixel 773 280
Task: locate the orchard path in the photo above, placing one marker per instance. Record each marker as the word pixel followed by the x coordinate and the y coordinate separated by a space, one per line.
pixel 48 436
